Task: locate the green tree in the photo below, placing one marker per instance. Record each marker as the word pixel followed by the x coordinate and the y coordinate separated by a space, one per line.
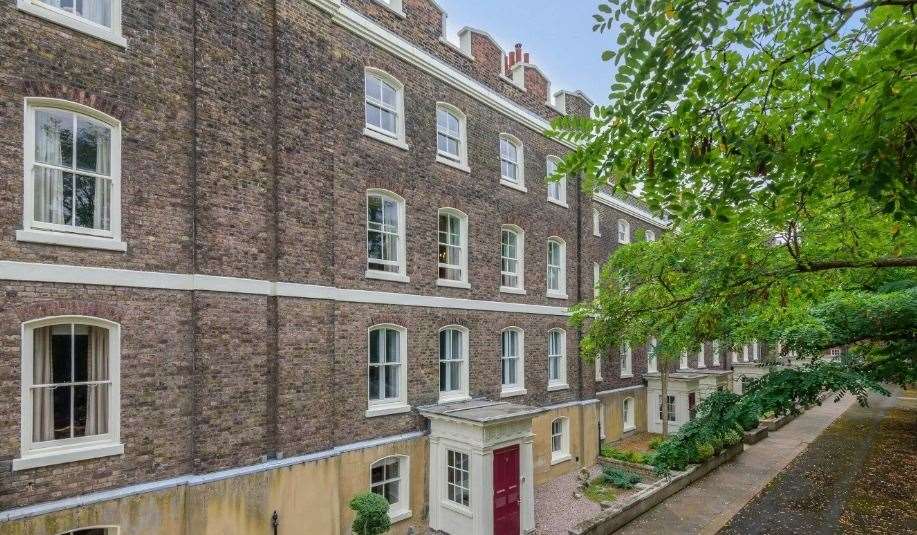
pixel 372 514
pixel 780 137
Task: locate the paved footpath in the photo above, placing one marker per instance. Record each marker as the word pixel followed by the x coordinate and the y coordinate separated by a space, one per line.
pixel 707 505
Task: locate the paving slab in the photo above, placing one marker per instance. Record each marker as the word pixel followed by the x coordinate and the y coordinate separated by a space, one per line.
pixel 707 505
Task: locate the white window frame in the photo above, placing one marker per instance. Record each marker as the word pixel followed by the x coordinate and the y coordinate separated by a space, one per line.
pixel 459 161
pixel 561 185
pixel 109 530
pixel 395 405
pixel 517 388
pixel 652 360
pixel 715 349
pixel 746 353
pixel 623 231
pixel 401 275
pixel 32 455
pixel 598 369
pixel 462 393
pixel 701 361
pixel 520 260
pixel 596 223
pixel 397 138
pixel 465 507
pixel 596 278
pixel 519 182
pixel 463 248
pixel 561 437
pixel 755 350
pixel 49 233
pixel 402 509
pixel 559 382
pixel 683 363
pixel 74 22
pixel 735 356
pixel 561 291
pixel 394 5
pixel 673 413
pixel 650 235
pixel 627 361
pixel 628 408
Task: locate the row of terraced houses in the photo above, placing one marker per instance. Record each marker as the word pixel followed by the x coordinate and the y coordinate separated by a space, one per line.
pixel 259 256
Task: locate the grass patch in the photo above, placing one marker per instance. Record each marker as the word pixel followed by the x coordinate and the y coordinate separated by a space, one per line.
pixel 597 491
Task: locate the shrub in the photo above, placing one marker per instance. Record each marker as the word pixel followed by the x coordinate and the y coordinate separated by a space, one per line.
pixel 372 514
pixel 704 451
pixel 732 437
pixel 623 455
pixel 620 478
pixel 654 443
pixel 717 442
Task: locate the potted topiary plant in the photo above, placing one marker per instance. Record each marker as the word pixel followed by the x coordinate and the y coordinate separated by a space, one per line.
pixel 372 514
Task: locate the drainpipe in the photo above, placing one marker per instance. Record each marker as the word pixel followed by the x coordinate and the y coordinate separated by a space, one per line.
pixel 275 522
pixel 579 330
pixel 273 319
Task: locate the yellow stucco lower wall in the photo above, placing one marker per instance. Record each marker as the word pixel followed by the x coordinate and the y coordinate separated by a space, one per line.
pixel 583 440
pixel 611 407
pixel 310 498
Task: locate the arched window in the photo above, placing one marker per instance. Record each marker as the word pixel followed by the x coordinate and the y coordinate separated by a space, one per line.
pixel 387 370
pixel 650 235
pixel 557 268
pixel 512 259
pixel 453 248
pixel 385 236
pixel 512 358
pixel 557 359
pixel 512 162
pixel 596 278
pixel 70 390
pixel 560 440
pixel 596 222
pixel 557 189
pixel 623 231
pixel 72 190
pixel 651 359
pixel 390 478
pixel 384 103
pixel 627 359
pixel 451 136
pixel 453 363
pixel 628 408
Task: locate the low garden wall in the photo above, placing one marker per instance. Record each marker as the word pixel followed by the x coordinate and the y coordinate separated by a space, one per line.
pixel 620 513
pixel 755 435
pixel 774 424
pixel 643 470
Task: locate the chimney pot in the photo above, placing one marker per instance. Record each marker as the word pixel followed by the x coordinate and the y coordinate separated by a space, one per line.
pixel 518 52
pixel 526 57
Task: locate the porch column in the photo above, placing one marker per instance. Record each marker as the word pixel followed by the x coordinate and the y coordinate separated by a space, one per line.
pixel 527 485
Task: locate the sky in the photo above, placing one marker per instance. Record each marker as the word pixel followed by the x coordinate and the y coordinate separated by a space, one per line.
pixel 557 33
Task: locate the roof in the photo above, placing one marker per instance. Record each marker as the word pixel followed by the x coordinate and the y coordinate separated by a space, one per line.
pixel 481 411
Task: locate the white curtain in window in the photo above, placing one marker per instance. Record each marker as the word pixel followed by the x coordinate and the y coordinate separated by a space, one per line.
pixel 97 405
pixel 42 408
pixel 98 11
pixel 102 201
pixel 49 183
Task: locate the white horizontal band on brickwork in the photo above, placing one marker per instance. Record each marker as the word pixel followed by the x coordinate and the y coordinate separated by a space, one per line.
pixel 59 273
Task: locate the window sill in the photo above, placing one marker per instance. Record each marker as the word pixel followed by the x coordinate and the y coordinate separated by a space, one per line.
pixel 453 284
pixel 513 185
pixel 599 379
pixel 629 428
pixel 379 136
pixel 453 398
pixel 386 276
pixel 69 21
pixel 70 240
pixel 558 386
pixel 394 517
pixel 561 458
pixel 452 163
pixel 460 509
pixel 69 455
pixel 597 234
pixel 558 202
pixel 513 393
pixel 626 375
pixel 511 290
pixel 385 410
pixel 556 295
pixel 388 6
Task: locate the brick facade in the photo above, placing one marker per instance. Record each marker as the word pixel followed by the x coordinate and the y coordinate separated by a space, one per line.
pixel 243 156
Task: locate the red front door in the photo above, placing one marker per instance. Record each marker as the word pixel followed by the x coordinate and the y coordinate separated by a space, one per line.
pixel 506 491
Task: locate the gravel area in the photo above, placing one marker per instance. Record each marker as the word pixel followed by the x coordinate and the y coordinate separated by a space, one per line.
pixel 556 510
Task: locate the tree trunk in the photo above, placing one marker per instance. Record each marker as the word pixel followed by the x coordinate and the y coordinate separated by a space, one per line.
pixel 664 379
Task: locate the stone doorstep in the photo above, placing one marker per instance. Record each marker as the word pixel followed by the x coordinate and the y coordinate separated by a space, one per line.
pixel 756 435
pixel 619 514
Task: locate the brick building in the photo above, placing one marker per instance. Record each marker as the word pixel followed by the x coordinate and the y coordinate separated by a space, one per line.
pixel 260 256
